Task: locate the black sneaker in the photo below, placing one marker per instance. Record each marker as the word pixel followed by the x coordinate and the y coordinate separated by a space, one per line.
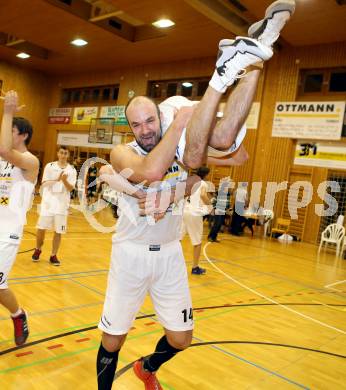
pixel 36 255
pixel 54 261
pixel 198 271
pixel 21 329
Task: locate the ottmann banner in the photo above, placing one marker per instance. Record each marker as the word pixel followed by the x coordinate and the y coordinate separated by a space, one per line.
pixel 309 120
pixel 320 154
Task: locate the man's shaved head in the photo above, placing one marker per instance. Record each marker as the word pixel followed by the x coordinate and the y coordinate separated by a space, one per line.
pixel 143 116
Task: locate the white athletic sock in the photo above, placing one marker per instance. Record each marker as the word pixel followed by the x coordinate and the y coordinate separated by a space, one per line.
pixel 17 313
pixel 217 83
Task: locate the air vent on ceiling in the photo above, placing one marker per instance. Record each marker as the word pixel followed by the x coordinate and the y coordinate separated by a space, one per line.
pixel 238 5
pixel 67 2
pixel 113 23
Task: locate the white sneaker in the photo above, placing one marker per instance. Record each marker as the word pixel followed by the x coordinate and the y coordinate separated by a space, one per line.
pixel 267 30
pixel 234 57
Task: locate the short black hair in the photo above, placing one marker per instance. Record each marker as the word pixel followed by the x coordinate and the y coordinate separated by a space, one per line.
pixel 202 172
pixel 63 147
pixel 24 127
pixel 146 97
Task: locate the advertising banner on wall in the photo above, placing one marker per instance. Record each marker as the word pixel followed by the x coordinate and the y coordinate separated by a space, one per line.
pixel 320 154
pixel 116 112
pixel 70 138
pixel 60 115
pixel 309 120
pixel 83 115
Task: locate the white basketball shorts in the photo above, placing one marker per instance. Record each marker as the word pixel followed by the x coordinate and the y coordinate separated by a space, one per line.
pixel 193 225
pixel 8 253
pixel 136 270
pixel 57 222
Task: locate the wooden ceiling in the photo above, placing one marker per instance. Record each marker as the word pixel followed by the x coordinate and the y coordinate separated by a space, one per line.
pixel 196 33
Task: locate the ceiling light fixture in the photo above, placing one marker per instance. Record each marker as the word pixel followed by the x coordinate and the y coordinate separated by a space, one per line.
pixel 79 42
pixel 187 84
pixel 163 23
pixel 23 55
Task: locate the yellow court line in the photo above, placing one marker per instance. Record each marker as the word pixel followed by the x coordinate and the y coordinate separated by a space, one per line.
pixel 312 115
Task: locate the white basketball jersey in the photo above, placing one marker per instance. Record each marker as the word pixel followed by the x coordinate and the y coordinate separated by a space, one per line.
pixel 16 195
pixel 133 227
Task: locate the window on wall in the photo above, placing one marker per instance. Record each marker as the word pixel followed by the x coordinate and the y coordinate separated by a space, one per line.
pixel 105 94
pixel 323 82
pixel 192 88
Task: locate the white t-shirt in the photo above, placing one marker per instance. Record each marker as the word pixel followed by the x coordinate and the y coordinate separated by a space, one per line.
pixel 16 195
pixel 195 204
pixel 55 196
pixel 133 227
pixel 241 195
pixel 168 109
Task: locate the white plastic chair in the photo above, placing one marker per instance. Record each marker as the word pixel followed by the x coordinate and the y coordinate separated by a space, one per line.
pixel 343 247
pixel 268 216
pixel 333 234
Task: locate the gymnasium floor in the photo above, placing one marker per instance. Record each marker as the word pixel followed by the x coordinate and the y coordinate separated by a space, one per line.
pixel 245 341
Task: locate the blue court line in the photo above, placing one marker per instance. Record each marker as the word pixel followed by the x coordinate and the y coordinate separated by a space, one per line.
pixel 51 280
pixel 255 365
pixel 87 287
pixel 56 275
pixel 67 308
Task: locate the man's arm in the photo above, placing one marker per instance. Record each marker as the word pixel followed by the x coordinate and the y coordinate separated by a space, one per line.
pixel 152 204
pixel 69 186
pixel 205 196
pixel 25 161
pixel 154 165
pixel 118 182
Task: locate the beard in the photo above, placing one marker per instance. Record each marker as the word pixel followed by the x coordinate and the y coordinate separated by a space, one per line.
pixel 149 142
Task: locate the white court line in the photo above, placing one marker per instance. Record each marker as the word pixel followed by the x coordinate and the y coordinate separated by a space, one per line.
pixel 331 307
pixel 334 284
pixel 267 298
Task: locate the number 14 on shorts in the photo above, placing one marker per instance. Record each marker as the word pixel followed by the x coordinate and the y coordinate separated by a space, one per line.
pixel 185 314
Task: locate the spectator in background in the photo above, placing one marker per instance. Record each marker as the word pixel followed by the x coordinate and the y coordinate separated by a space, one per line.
pixel 241 202
pixel 196 206
pixel 222 204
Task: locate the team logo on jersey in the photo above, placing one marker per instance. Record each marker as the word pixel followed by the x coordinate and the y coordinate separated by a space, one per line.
pixel 4 200
pixel 154 248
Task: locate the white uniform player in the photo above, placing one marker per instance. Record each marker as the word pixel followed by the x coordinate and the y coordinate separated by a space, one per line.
pixel 145 263
pixel 196 206
pixel 18 175
pixel 55 197
pixel 147 259
pixel 59 179
pixel 16 194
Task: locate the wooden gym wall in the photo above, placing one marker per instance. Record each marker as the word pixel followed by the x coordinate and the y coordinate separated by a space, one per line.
pixel 271 159
pixel 34 91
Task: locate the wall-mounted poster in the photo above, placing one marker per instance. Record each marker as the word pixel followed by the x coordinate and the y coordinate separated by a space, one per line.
pixel 83 115
pixel 59 115
pixel 309 120
pixel 320 154
pixel 116 112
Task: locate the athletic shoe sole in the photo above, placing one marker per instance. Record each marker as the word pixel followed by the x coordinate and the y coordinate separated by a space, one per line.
pixel 256 29
pixel 242 45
